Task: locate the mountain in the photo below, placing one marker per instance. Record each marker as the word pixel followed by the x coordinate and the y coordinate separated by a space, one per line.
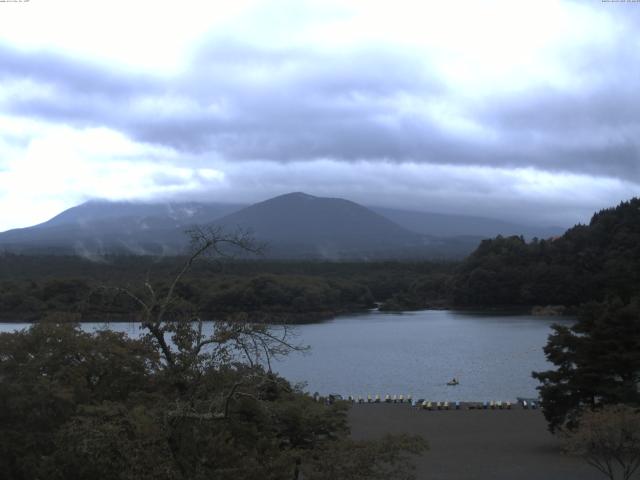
pixel 99 227
pixel 171 213
pixel 294 225
pixel 297 225
pixel 447 225
pixel 323 227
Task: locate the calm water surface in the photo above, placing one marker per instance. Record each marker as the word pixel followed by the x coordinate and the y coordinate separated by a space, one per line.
pixel 414 353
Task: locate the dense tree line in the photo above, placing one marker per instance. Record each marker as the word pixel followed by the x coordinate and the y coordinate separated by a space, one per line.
pixel 294 297
pixel 587 263
pixel 32 288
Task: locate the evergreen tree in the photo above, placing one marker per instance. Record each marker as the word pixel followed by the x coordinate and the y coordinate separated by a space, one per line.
pixel 597 360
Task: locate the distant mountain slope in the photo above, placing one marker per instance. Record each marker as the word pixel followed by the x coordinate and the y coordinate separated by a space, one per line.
pixel 322 226
pixel 99 227
pixel 171 213
pixel 294 225
pixel 448 225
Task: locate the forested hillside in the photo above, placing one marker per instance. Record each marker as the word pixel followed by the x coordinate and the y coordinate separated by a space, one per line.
pixel 588 262
pixel 34 287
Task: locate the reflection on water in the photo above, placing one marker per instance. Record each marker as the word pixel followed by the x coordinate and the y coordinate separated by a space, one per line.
pixel 413 353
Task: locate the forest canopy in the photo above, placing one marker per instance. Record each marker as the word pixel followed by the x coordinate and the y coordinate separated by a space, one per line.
pixel 587 263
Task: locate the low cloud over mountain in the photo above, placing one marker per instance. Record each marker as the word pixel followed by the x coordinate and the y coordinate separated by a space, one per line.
pixel 477 110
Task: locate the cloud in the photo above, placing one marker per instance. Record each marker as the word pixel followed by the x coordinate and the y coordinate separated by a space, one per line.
pixel 63 166
pixel 70 75
pixel 523 195
pixel 591 126
pixel 463 113
pixel 243 102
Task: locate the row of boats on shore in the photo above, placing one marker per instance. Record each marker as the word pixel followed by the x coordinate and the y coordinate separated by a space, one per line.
pixel 526 403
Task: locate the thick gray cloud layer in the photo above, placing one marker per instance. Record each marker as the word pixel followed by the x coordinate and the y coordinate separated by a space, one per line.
pixel 265 106
pixel 246 103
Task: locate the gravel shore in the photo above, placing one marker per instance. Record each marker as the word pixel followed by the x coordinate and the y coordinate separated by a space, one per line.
pixel 475 444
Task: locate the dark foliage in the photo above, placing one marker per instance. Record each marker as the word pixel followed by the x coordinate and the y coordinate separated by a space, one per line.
pixel 597 361
pixel 75 405
pixel 179 404
pixel 32 288
pixel 589 262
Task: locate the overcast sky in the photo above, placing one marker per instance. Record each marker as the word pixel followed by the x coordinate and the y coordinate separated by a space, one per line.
pixel 525 110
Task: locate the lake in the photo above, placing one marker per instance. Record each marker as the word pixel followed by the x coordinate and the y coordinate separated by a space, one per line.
pixel 414 353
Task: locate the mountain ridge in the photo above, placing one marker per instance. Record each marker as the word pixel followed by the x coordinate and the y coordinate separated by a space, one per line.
pixel 328 223
pixel 446 225
pixel 294 225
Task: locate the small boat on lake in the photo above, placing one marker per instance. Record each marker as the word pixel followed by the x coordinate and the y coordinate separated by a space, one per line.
pixel 453 382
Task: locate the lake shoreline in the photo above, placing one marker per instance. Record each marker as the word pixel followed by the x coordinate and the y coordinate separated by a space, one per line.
pixel 535 310
pixel 303 318
pixel 276 318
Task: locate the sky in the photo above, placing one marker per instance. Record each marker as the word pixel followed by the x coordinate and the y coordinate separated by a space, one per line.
pixel 517 109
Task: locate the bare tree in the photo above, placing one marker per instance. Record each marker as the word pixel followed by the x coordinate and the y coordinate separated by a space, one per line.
pixel 178 332
pixel 609 440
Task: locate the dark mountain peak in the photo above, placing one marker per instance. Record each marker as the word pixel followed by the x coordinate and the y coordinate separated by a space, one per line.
pixel 311 201
pixel 299 208
pixel 293 196
pixel 321 226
